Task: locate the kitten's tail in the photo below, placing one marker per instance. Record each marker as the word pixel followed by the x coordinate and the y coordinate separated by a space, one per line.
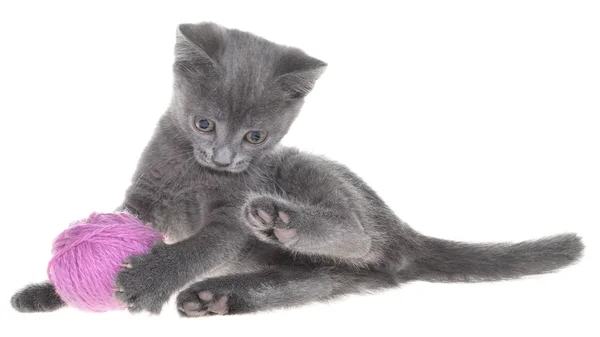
pixel 449 261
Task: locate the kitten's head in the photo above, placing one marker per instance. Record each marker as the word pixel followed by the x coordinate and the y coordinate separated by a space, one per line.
pixel 236 94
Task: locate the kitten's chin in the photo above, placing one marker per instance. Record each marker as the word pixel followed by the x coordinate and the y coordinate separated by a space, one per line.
pixel 236 169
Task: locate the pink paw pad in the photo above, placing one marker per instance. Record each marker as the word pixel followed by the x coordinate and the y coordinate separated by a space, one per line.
pixel 266 217
pixel 205 296
pixel 284 234
pixel 219 307
pixel 285 218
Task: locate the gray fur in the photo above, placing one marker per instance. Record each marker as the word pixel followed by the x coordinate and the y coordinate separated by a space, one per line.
pixel 264 225
pixel 37 297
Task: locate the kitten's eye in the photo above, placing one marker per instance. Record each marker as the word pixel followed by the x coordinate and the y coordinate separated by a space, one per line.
pixel 256 137
pixel 204 125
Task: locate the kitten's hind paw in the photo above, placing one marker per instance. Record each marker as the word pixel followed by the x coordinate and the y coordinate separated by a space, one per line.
pixel 198 301
pixel 271 220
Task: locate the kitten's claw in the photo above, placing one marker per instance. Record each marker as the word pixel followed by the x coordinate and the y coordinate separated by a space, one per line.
pixel 143 282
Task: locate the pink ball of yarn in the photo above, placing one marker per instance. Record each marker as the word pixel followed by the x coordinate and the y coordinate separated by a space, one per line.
pixel 88 255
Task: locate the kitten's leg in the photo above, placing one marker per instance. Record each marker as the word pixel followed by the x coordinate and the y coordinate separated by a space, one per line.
pixel 37 297
pixel 316 207
pixel 274 288
pixel 147 281
pixel 309 229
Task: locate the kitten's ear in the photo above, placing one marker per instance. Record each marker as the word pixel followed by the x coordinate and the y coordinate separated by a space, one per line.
pixel 298 72
pixel 198 47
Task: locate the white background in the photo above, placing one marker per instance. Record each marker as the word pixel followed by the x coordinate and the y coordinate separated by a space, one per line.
pixel 476 121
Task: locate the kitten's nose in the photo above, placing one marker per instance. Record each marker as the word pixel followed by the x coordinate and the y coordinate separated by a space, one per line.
pixel 222 157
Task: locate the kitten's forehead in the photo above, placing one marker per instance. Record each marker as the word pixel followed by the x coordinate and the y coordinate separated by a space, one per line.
pixel 245 79
pixel 241 110
pixel 247 67
pixel 247 56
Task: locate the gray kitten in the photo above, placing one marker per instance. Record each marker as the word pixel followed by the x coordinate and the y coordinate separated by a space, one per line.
pixel 266 226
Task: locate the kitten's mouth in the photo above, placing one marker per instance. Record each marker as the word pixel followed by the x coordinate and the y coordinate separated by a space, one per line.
pixel 237 167
pixel 229 169
pixel 220 168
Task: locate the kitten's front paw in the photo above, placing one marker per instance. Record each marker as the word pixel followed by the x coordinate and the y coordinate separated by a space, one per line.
pixel 144 282
pixel 271 220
